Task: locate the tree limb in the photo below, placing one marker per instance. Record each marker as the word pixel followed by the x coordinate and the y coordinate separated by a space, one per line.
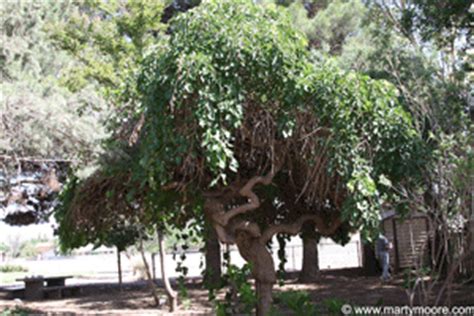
pixel 248 227
pixel 247 191
pixel 295 227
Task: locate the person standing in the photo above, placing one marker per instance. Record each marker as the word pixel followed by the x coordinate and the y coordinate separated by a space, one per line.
pixel 382 251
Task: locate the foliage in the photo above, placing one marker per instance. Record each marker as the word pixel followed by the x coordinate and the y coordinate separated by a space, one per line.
pixel 108 39
pixel 40 118
pixel 331 27
pixel 333 305
pixel 201 94
pixel 441 21
pixel 240 297
pixel 206 68
pixel 282 239
pixel 16 311
pixel 298 302
pixel 4 247
pixel 8 268
pixel 45 128
pixel 110 222
pixel 102 208
pixel 423 48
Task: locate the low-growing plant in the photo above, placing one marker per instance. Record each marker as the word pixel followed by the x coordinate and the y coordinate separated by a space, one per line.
pixel 333 305
pixel 8 268
pixel 239 298
pixel 298 302
pixel 16 311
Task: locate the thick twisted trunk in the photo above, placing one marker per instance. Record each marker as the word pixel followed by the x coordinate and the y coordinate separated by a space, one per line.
pixel 263 269
pixel 251 241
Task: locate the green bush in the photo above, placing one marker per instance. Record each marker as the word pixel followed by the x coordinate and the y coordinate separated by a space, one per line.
pixel 240 298
pixel 17 311
pixel 12 268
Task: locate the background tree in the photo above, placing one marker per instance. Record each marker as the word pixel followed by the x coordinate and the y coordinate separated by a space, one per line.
pixel 426 55
pixel 310 263
pixel 44 128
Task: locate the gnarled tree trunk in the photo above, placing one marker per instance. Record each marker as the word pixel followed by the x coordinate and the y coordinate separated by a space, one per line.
pixel 221 210
pixel 310 268
pixel 263 269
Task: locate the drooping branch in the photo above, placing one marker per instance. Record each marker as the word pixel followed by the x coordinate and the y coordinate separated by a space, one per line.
pixel 323 227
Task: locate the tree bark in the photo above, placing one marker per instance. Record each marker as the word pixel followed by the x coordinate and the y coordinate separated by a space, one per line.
pixel 119 266
pixel 310 268
pixel 213 259
pixel 263 269
pixel 172 295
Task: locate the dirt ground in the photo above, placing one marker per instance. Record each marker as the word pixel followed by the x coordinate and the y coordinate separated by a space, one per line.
pixel 135 299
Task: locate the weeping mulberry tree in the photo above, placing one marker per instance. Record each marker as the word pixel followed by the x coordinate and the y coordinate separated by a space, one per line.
pixel 241 122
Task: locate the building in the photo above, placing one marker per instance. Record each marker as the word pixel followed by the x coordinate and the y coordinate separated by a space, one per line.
pixel 409 236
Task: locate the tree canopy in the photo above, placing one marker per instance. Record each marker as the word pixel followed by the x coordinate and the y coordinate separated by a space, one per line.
pixel 44 128
pixel 237 114
pixel 240 101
